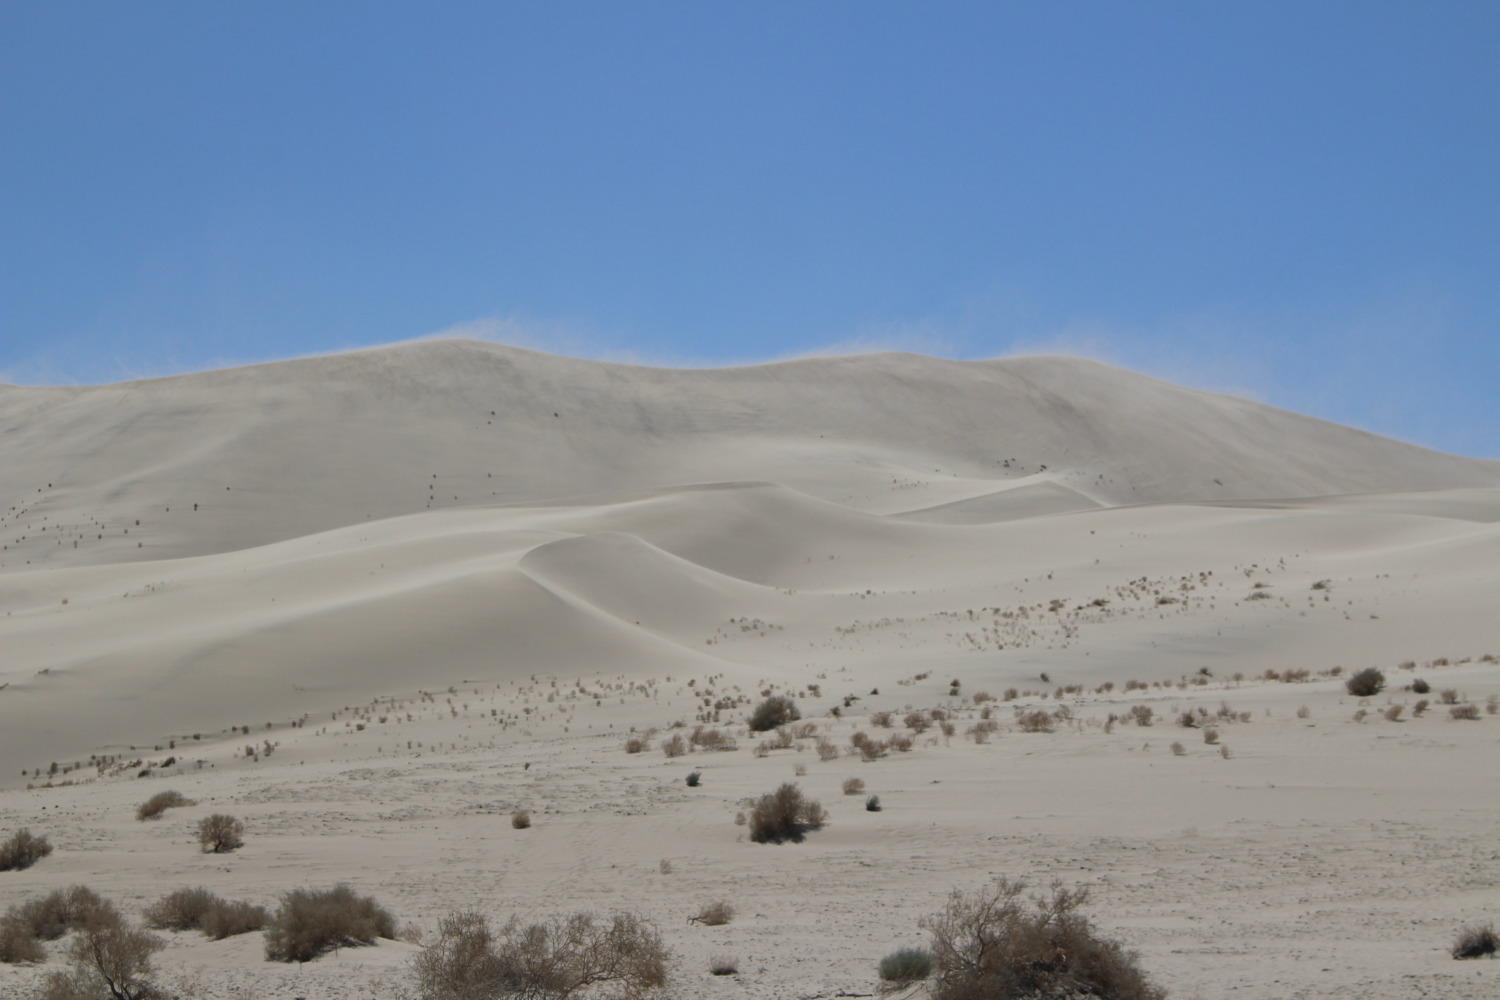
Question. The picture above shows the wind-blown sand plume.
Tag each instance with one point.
(376, 670)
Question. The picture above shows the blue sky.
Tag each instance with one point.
(1298, 202)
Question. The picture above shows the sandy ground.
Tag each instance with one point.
(375, 696)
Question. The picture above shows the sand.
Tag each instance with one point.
(373, 603)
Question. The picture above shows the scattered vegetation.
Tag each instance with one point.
(853, 786)
(1469, 712)
(160, 803)
(784, 815)
(543, 961)
(107, 958)
(312, 921)
(992, 945)
(220, 832)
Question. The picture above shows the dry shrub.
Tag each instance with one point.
(882, 719)
(1178, 750)
(312, 921)
(853, 786)
(675, 747)
(872, 804)
(637, 745)
(1492, 705)
(107, 958)
(716, 913)
(1304, 712)
(992, 946)
(17, 943)
(1469, 712)
(723, 965)
(1141, 715)
(1420, 706)
(772, 713)
(542, 961)
(1448, 696)
(783, 740)
(160, 803)
(1035, 721)
(220, 832)
(1473, 942)
(710, 739)
(199, 909)
(1393, 713)
(520, 819)
(23, 850)
(1366, 683)
(1420, 686)
(784, 815)
(901, 743)
(827, 750)
(49, 917)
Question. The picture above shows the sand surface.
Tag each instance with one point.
(373, 603)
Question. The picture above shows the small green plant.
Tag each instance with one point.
(906, 965)
(872, 804)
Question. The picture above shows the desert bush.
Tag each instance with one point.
(906, 965)
(1035, 721)
(827, 750)
(199, 909)
(917, 722)
(1178, 750)
(520, 819)
(716, 913)
(17, 943)
(637, 745)
(723, 965)
(220, 832)
(1473, 942)
(1419, 707)
(1420, 686)
(1366, 683)
(882, 719)
(710, 739)
(774, 712)
(1304, 712)
(991, 945)
(49, 917)
(160, 803)
(312, 921)
(1141, 715)
(901, 743)
(23, 850)
(1211, 736)
(694, 778)
(1448, 696)
(872, 804)
(1393, 712)
(853, 786)
(542, 961)
(675, 747)
(107, 958)
(1469, 712)
(784, 815)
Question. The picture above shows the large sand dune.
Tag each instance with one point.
(431, 583)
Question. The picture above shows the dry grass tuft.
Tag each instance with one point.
(716, 914)
(1474, 942)
(310, 922)
(160, 803)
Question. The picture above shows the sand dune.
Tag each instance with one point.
(374, 602)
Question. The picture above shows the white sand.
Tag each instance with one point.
(855, 522)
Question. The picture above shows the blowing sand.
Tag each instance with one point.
(375, 603)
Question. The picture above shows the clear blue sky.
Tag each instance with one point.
(1299, 202)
